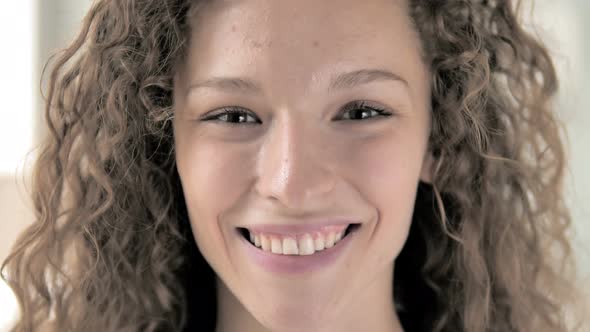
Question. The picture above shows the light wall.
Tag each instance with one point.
(564, 27)
(50, 25)
(54, 24)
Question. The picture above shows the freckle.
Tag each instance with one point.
(315, 43)
(233, 28)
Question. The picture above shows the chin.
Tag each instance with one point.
(289, 316)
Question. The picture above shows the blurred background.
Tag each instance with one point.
(31, 30)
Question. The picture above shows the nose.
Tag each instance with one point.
(294, 168)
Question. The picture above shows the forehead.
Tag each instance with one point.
(302, 41)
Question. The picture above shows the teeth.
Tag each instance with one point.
(305, 244)
(290, 246)
(330, 239)
(265, 242)
(319, 243)
(256, 240)
(275, 245)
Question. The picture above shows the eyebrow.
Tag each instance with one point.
(347, 80)
(363, 76)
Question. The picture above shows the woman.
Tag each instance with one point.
(298, 166)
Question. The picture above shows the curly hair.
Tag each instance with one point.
(111, 248)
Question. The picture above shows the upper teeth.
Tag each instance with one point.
(300, 244)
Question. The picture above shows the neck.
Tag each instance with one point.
(372, 310)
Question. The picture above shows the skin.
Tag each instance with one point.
(300, 159)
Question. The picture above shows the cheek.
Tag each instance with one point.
(210, 171)
(213, 177)
(389, 170)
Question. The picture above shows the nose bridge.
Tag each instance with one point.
(293, 167)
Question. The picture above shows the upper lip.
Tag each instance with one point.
(300, 228)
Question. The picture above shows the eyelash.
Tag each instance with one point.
(356, 105)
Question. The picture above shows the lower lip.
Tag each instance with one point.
(294, 264)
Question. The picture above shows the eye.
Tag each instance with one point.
(233, 116)
(357, 110)
(360, 110)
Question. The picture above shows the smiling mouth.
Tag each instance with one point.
(300, 244)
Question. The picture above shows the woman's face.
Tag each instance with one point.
(332, 127)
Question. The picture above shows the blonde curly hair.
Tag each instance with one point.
(111, 247)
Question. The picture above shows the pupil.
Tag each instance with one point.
(233, 117)
(361, 114)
